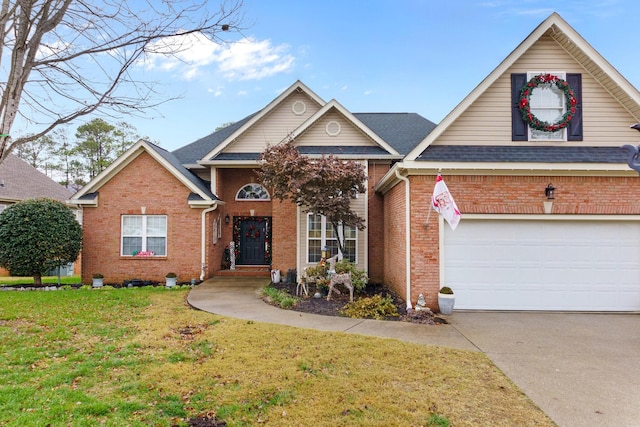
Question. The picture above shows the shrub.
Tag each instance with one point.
(375, 307)
(446, 290)
(280, 298)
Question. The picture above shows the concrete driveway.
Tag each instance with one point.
(580, 369)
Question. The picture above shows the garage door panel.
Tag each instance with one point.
(544, 265)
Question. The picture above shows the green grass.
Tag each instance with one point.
(141, 357)
(50, 280)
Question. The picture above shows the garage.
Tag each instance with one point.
(560, 264)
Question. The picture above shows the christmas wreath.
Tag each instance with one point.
(525, 107)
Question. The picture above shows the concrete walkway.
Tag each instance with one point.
(581, 369)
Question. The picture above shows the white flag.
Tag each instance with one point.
(443, 203)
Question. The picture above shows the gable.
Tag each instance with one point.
(610, 104)
(487, 121)
(276, 124)
(334, 129)
(201, 194)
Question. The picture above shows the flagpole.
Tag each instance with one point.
(426, 223)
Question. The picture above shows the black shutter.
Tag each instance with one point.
(519, 129)
(574, 130)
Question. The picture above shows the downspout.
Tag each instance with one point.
(203, 262)
(407, 219)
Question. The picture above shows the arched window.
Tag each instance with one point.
(253, 192)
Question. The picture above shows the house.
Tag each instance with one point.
(20, 181)
(517, 248)
(154, 211)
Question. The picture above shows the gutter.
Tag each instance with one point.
(407, 219)
(203, 258)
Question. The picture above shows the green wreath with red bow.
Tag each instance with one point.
(525, 106)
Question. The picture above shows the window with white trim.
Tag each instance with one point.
(320, 233)
(547, 104)
(253, 192)
(144, 235)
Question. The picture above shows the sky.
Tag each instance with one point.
(420, 56)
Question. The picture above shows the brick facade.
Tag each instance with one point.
(475, 194)
(160, 194)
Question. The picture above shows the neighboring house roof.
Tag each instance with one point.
(576, 46)
(200, 189)
(20, 181)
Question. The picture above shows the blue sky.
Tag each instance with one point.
(420, 56)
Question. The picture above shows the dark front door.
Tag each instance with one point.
(252, 235)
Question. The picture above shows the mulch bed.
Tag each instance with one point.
(309, 304)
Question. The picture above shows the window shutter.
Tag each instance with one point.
(574, 130)
(519, 129)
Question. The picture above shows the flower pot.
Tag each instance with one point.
(171, 281)
(446, 303)
(98, 282)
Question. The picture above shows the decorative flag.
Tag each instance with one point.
(443, 203)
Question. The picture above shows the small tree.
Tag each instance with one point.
(38, 235)
(323, 186)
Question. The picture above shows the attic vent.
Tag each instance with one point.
(333, 128)
(298, 108)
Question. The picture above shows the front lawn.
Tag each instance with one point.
(141, 357)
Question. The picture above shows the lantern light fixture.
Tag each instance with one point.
(550, 192)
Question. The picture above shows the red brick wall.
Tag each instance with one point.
(394, 239)
(501, 195)
(146, 183)
(284, 235)
(375, 224)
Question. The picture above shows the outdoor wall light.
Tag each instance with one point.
(550, 192)
(227, 219)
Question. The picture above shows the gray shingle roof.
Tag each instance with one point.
(402, 131)
(191, 153)
(528, 154)
(20, 181)
(193, 178)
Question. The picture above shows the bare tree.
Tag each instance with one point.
(71, 58)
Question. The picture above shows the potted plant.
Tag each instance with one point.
(98, 280)
(171, 279)
(446, 300)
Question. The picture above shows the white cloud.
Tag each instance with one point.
(248, 59)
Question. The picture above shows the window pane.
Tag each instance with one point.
(332, 247)
(315, 226)
(330, 233)
(131, 245)
(157, 245)
(156, 226)
(350, 250)
(315, 250)
(132, 225)
(349, 232)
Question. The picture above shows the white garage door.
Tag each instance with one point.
(544, 265)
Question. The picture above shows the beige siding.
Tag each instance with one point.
(488, 120)
(359, 205)
(275, 126)
(349, 134)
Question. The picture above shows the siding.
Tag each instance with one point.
(275, 126)
(488, 120)
(359, 205)
(349, 134)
